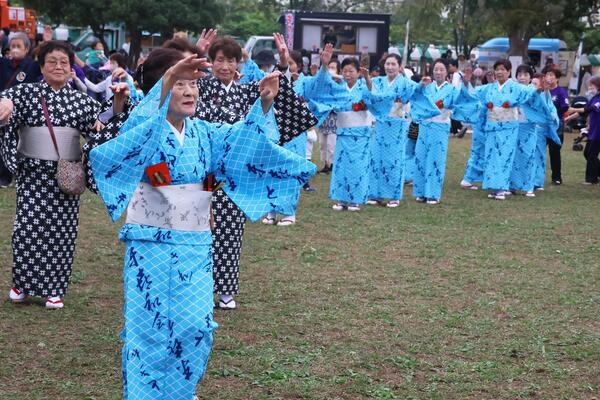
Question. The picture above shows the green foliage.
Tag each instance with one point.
(242, 23)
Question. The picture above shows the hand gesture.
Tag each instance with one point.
(364, 72)
(326, 55)
(207, 37)
(282, 49)
(120, 91)
(6, 109)
(98, 126)
(119, 74)
(426, 80)
(189, 68)
(269, 86)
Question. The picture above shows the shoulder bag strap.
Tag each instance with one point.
(49, 125)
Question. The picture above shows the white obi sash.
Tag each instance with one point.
(354, 119)
(177, 207)
(501, 114)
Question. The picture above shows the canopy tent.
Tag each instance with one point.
(590, 59)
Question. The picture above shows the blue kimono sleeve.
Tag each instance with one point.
(379, 104)
(118, 165)
(538, 108)
(465, 106)
(251, 72)
(323, 89)
(258, 175)
(421, 106)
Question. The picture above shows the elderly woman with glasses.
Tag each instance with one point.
(45, 228)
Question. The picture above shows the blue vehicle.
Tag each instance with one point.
(541, 51)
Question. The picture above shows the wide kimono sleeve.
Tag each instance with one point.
(465, 105)
(421, 106)
(322, 89)
(118, 165)
(538, 107)
(293, 115)
(251, 72)
(258, 175)
(9, 133)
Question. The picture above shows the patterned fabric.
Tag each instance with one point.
(168, 281)
(386, 172)
(501, 137)
(520, 176)
(42, 267)
(431, 149)
(229, 220)
(476, 162)
(349, 183)
(409, 160)
(298, 147)
(293, 116)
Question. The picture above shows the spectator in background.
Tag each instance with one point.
(585, 80)
(330, 37)
(456, 127)
(95, 57)
(560, 98)
(4, 33)
(16, 69)
(118, 63)
(463, 63)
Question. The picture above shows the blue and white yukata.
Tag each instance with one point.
(432, 143)
(543, 132)
(502, 127)
(476, 162)
(388, 143)
(349, 182)
(521, 176)
(168, 281)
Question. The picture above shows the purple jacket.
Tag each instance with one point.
(560, 98)
(593, 108)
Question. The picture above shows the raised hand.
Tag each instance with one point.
(207, 37)
(326, 55)
(6, 109)
(364, 72)
(189, 68)
(121, 92)
(119, 74)
(269, 86)
(282, 49)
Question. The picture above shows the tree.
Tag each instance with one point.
(165, 17)
(261, 21)
(154, 16)
(524, 19)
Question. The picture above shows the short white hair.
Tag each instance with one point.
(20, 36)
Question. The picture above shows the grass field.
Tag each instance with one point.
(471, 299)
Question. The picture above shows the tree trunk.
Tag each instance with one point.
(518, 44)
(135, 48)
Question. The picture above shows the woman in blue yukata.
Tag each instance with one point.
(502, 101)
(432, 143)
(351, 100)
(154, 169)
(386, 172)
(524, 164)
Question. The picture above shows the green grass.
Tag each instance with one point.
(472, 299)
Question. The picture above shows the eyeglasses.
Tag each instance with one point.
(53, 62)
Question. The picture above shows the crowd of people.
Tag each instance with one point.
(201, 137)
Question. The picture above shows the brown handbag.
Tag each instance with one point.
(70, 175)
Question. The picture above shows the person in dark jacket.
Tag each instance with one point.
(16, 69)
(560, 98)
